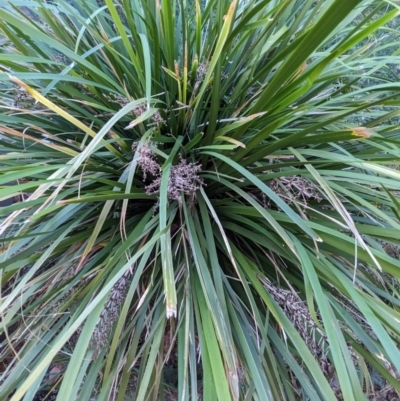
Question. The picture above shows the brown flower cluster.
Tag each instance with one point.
(156, 117)
(138, 111)
(183, 178)
(147, 159)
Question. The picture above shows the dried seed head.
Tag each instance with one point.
(391, 249)
(200, 74)
(60, 58)
(156, 117)
(109, 315)
(138, 111)
(295, 187)
(23, 100)
(202, 70)
(147, 160)
(118, 99)
(297, 312)
(183, 178)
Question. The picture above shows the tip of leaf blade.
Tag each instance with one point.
(362, 132)
(171, 312)
(18, 82)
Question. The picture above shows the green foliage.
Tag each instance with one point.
(199, 213)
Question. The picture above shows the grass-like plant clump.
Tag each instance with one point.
(206, 200)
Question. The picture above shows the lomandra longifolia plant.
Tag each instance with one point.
(205, 200)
